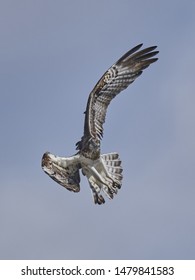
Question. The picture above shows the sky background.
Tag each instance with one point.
(51, 55)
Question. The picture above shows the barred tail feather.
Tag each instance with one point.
(105, 175)
(114, 170)
(113, 166)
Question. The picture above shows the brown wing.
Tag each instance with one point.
(117, 78)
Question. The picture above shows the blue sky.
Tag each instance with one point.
(51, 55)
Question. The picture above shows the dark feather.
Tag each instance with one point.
(117, 78)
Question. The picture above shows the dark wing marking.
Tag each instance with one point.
(117, 78)
(69, 178)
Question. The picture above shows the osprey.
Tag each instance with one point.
(103, 171)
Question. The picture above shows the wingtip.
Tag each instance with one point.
(153, 48)
(135, 52)
(130, 52)
(139, 45)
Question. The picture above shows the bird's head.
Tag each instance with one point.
(48, 162)
(52, 166)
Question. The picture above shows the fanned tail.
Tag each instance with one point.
(114, 170)
(105, 175)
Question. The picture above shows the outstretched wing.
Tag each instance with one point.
(68, 177)
(117, 78)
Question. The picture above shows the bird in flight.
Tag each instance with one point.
(103, 171)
